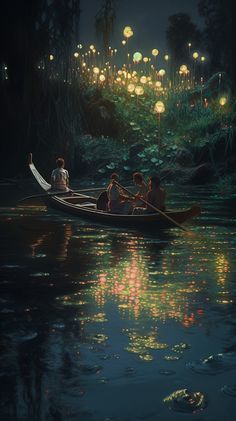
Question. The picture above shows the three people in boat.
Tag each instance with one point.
(60, 177)
(153, 195)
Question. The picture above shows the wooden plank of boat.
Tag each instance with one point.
(85, 207)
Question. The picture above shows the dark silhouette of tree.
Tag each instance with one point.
(219, 34)
(180, 32)
(104, 24)
(30, 104)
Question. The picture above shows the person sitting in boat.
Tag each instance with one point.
(155, 197)
(60, 177)
(141, 189)
(117, 202)
(156, 194)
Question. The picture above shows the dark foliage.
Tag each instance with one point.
(219, 34)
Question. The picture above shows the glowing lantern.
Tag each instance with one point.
(137, 57)
(189, 44)
(143, 79)
(51, 57)
(131, 88)
(166, 57)
(183, 68)
(139, 90)
(91, 47)
(118, 79)
(145, 59)
(96, 70)
(155, 52)
(222, 101)
(102, 78)
(123, 42)
(162, 72)
(203, 59)
(159, 107)
(120, 72)
(79, 46)
(158, 84)
(76, 55)
(127, 32)
(195, 55)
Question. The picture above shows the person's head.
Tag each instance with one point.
(114, 176)
(60, 162)
(138, 177)
(154, 182)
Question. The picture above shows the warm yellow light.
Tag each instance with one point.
(51, 57)
(131, 88)
(159, 107)
(91, 47)
(76, 55)
(127, 32)
(143, 79)
(189, 44)
(195, 55)
(96, 70)
(183, 68)
(145, 59)
(203, 58)
(120, 72)
(118, 79)
(139, 90)
(166, 57)
(155, 52)
(137, 57)
(102, 78)
(94, 50)
(79, 46)
(158, 84)
(162, 72)
(123, 42)
(222, 101)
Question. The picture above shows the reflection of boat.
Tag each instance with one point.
(85, 207)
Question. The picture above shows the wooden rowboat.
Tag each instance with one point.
(85, 207)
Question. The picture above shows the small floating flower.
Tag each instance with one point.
(184, 400)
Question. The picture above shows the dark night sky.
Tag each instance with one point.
(148, 19)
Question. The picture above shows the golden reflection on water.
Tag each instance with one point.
(140, 292)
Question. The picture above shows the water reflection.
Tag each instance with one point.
(87, 311)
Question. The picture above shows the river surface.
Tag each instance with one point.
(104, 324)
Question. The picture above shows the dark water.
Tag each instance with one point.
(103, 324)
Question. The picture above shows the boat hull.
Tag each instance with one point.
(84, 207)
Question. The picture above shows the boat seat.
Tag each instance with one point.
(88, 205)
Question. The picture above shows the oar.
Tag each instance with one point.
(42, 195)
(153, 207)
(51, 193)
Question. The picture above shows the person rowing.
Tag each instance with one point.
(117, 201)
(141, 188)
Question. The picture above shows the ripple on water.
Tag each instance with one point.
(214, 363)
(229, 390)
(22, 336)
(184, 400)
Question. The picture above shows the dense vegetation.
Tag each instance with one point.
(49, 109)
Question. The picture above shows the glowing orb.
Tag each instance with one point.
(139, 90)
(155, 52)
(137, 57)
(195, 55)
(223, 100)
(96, 70)
(131, 87)
(159, 107)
